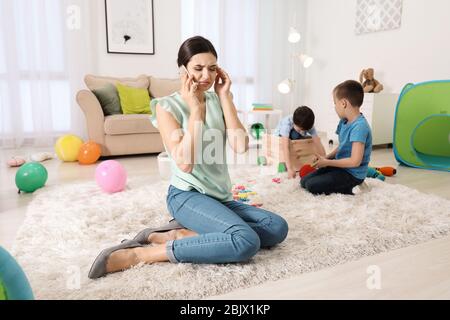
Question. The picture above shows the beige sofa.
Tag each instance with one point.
(123, 134)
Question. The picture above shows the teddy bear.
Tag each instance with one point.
(369, 83)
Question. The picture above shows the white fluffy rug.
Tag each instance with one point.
(67, 226)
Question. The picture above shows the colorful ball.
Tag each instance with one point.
(89, 153)
(387, 171)
(67, 147)
(31, 176)
(111, 176)
(305, 170)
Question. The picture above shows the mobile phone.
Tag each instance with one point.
(187, 72)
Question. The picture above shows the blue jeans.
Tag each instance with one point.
(227, 231)
(330, 180)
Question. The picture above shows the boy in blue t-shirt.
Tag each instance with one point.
(298, 126)
(345, 167)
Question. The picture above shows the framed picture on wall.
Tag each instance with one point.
(130, 26)
(378, 15)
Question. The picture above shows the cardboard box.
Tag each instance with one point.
(301, 151)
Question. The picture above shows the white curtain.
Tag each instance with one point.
(250, 37)
(220, 22)
(44, 53)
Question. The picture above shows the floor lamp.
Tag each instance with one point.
(287, 85)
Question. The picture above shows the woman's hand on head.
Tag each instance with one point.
(188, 91)
(223, 83)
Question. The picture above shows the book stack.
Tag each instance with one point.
(262, 107)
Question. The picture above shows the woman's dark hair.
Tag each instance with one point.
(304, 118)
(193, 46)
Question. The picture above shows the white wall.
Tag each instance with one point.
(418, 51)
(275, 52)
(167, 41)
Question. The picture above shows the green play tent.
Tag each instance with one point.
(422, 126)
(14, 284)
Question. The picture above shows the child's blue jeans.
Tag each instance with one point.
(330, 180)
(228, 231)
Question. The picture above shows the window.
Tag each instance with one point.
(234, 35)
(34, 81)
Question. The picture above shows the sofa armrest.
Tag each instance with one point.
(93, 113)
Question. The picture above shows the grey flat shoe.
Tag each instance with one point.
(98, 268)
(142, 237)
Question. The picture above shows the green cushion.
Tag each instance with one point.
(134, 100)
(109, 99)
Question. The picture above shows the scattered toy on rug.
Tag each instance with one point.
(244, 195)
(306, 169)
(375, 174)
(276, 180)
(387, 171)
(282, 167)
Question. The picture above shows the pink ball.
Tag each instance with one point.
(111, 176)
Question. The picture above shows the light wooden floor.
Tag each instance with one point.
(416, 272)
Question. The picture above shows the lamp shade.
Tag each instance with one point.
(285, 86)
(294, 35)
(306, 60)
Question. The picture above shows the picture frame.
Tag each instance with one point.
(130, 27)
(378, 15)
